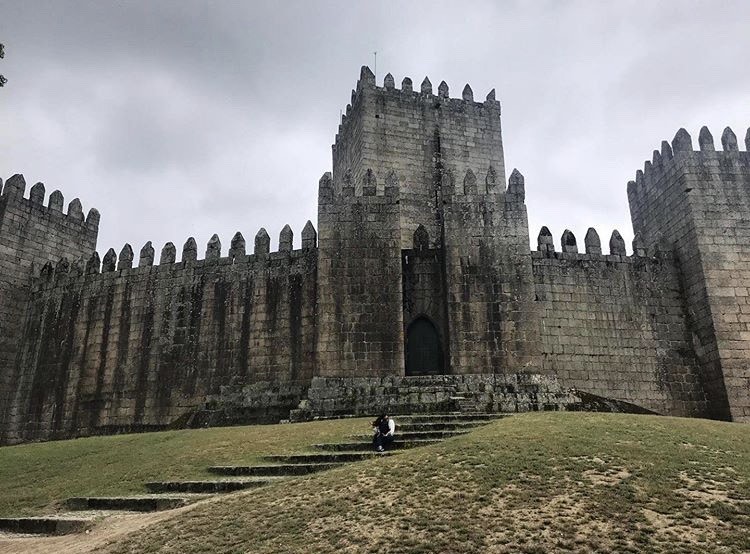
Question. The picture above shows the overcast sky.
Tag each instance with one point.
(184, 118)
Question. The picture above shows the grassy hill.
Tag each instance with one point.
(540, 482)
(33, 477)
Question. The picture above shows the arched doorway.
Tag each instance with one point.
(424, 354)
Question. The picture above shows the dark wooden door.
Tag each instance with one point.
(424, 355)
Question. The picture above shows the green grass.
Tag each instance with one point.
(534, 483)
(35, 477)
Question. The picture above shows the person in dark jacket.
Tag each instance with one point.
(385, 432)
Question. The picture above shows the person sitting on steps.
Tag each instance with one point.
(385, 430)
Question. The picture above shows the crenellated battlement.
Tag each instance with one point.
(112, 265)
(672, 157)
(423, 98)
(593, 247)
(371, 184)
(14, 190)
(437, 146)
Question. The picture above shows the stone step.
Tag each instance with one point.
(448, 418)
(398, 444)
(128, 503)
(329, 457)
(416, 435)
(402, 426)
(273, 470)
(46, 525)
(208, 486)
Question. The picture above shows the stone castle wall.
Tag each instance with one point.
(137, 347)
(617, 326)
(416, 224)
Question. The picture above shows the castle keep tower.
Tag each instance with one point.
(419, 237)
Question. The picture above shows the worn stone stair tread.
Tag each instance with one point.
(417, 435)
(211, 485)
(458, 416)
(359, 445)
(140, 503)
(329, 457)
(271, 470)
(55, 524)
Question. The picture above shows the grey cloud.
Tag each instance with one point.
(180, 118)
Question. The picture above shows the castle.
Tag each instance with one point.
(418, 289)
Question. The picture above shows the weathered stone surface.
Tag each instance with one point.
(706, 140)
(545, 242)
(190, 250)
(309, 236)
(36, 194)
(55, 200)
(682, 142)
(147, 255)
(426, 86)
(388, 82)
(443, 90)
(15, 186)
(616, 244)
(237, 246)
(110, 261)
(592, 242)
(213, 248)
(286, 239)
(168, 254)
(125, 259)
(729, 140)
(262, 243)
(75, 210)
(569, 243)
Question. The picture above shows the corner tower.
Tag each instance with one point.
(695, 203)
(32, 234)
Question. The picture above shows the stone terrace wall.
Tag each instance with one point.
(522, 392)
(32, 234)
(136, 348)
(616, 326)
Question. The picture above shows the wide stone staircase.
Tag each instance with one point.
(81, 513)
